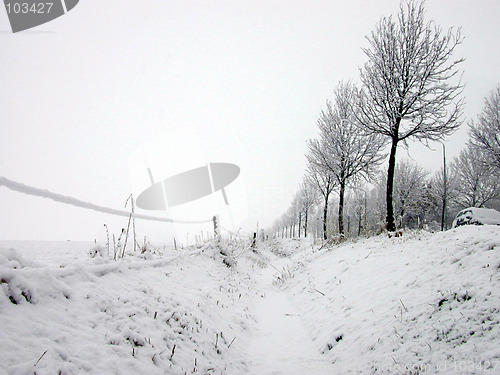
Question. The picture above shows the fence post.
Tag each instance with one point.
(216, 227)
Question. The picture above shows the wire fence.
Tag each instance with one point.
(30, 190)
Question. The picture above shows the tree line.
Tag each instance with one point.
(411, 90)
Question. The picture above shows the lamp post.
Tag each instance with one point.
(445, 185)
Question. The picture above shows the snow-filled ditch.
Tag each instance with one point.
(418, 304)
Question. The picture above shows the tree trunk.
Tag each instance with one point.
(300, 222)
(305, 223)
(341, 208)
(391, 227)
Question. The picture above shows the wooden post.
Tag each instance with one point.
(175, 244)
(216, 228)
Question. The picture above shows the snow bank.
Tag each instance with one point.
(423, 303)
(175, 314)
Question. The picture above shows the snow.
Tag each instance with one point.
(174, 314)
(282, 344)
(421, 303)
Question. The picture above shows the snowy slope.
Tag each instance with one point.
(423, 303)
(173, 314)
(418, 304)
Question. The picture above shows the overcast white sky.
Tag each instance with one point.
(79, 94)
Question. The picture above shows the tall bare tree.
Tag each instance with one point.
(411, 86)
(444, 190)
(342, 148)
(409, 187)
(323, 180)
(485, 133)
(308, 197)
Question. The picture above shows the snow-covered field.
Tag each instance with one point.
(421, 303)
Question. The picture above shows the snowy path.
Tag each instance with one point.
(282, 345)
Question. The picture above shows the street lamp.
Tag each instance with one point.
(445, 184)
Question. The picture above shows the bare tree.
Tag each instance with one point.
(323, 181)
(293, 215)
(485, 133)
(476, 183)
(342, 148)
(409, 187)
(308, 197)
(359, 207)
(377, 199)
(444, 191)
(410, 86)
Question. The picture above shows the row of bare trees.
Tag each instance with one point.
(410, 90)
(420, 199)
